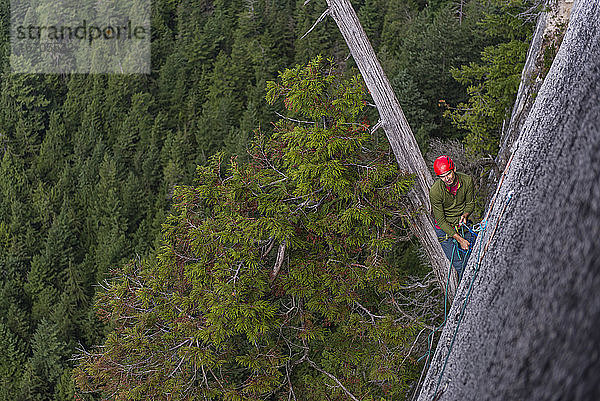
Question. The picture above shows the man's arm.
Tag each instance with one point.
(438, 214)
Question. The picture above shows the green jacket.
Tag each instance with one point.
(448, 208)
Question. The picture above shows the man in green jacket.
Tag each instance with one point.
(452, 201)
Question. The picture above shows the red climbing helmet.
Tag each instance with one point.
(442, 165)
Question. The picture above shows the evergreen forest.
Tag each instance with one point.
(228, 226)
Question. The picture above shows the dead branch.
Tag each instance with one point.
(325, 14)
(332, 377)
(271, 243)
(376, 126)
(279, 261)
(371, 315)
(293, 119)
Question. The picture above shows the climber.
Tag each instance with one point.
(452, 201)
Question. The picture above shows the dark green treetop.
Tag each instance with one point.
(272, 279)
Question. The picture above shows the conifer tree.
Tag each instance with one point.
(492, 82)
(22, 115)
(111, 225)
(13, 300)
(221, 110)
(44, 367)
(371, 18)
(272, 279)
(324, 39)
(60, 250)
(12, 360)
(54, 149)
(435, 42)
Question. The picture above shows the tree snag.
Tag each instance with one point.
(399, 134)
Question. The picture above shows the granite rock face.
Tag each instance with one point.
(558, 12)
(531, 326)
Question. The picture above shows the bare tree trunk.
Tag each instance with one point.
(399, 134)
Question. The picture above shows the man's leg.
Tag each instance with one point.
(450, 251)
(464, 257)
(460, 260)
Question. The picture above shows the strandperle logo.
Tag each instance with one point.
(81, 32)
(111, 36)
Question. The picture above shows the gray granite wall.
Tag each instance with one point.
(531, 327)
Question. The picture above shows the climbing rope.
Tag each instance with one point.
(456, 249)
(468, 296)
(476, 229)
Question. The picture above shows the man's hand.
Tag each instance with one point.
(464, 244)
(463, 219)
